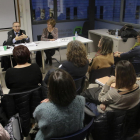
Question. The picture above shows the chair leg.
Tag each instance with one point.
(56, 60)
(60, 54)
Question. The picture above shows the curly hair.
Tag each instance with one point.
(76, 53)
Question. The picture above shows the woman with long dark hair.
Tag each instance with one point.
(63, 112)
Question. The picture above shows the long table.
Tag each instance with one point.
(43, 45)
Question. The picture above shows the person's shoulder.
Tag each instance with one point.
(45, 29)
(34, 65)
(137, 48)
(79, 98)
(10, 70)
(99, 57)
(22, 30)
(56, 29)
(11, 31)
(49, 107)
(67, 64)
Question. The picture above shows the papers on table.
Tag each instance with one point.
(103, 80)
(27, 44)
(63, 40)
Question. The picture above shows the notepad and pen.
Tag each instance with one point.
(103, 80)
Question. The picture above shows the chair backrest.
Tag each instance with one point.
(95, 74)
(4, 43)
(23, 103)
(79, 84)
(79, 135)
(117, 125)
(136, 66)
(39, 37)
(86, 27)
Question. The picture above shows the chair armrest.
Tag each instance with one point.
(88, 111)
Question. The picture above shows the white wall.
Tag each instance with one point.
(25, 17)
(25, 20)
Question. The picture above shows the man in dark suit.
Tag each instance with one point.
(15, 36)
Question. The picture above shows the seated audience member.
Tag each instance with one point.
(76, 64)
(49, 34)
(63, 112)
(132, 55)
(15, 36)
(105, 58)
(24, 76)
(4, 135)
(125, 95)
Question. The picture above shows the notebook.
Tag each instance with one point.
(103, 80)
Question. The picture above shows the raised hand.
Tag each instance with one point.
(18, 38)
(23, 36)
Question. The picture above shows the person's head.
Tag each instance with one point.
(62, 88)
(16, 26)
(138, 37)
(21, 54)
(125, 75)
(51, 15)
(76, 53)
(106, 45)
(51, 23)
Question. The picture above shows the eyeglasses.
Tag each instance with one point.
(17, 26)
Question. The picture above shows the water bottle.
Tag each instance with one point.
(116, 33)
(76, 35)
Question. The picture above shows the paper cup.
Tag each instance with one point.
(5, 48)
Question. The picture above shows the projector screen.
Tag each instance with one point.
(7, 13)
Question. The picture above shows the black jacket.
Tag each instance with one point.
(117, 125)
(133, 55)
(75, 71)
(23, 103)
(11, 36)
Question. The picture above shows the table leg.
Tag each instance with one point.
(11, 61)
(43, 67)
(88, 49)
(1, 79)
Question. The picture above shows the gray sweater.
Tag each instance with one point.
(113, 100)
(56, 121)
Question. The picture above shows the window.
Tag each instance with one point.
(108, 9)
(42, 9)
(131, 11)
(72, 9)
(66, 9)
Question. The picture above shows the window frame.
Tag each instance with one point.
(55, 16)
(137, 26)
